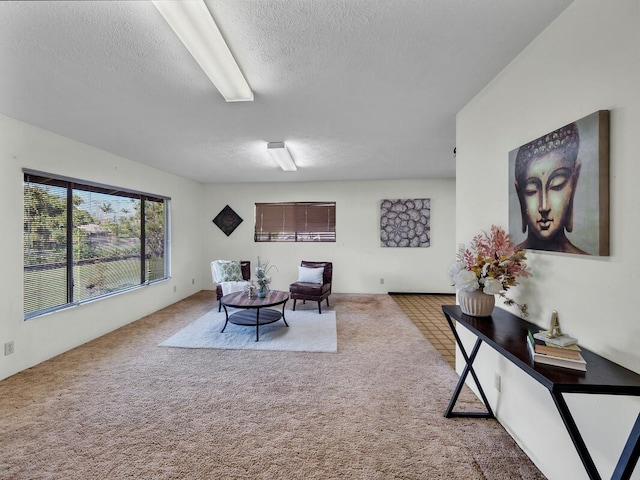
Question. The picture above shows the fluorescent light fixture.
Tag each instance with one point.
(193, 24)
(279, 152)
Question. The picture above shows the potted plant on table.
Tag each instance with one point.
(262, 277)
(490, 266)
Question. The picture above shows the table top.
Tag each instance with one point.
(506, 333)
(241, 300)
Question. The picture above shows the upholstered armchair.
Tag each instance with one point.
(314, 283)
(220, 277)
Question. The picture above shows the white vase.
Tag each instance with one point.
(476, 303)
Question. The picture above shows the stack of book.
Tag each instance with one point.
(561, 352)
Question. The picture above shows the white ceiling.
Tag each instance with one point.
(358, 89)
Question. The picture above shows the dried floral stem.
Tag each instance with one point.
(524, 309)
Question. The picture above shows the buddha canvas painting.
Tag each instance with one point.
(559, 189)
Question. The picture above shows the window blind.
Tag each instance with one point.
(295, 222)
(83, 241)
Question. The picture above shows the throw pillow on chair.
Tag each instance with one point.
(310, 275)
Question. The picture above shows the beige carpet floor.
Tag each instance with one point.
(122, 407)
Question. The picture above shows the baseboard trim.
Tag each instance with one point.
(421, 293)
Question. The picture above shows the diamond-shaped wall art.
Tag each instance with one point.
(227, 220)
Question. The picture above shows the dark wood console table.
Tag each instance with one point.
(506, 333)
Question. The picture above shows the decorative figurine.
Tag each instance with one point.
(250, 289)
(554, 326)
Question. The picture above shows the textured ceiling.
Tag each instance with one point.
(358, 89)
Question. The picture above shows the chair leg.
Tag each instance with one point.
(294, 304)
(327, 301)
(219, 306)
(320, 307)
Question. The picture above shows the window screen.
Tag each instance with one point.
(295, 222)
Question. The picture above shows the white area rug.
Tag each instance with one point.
(307, 332)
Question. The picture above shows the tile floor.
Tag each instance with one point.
(426, 312)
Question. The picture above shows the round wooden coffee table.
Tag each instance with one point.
(254, 310)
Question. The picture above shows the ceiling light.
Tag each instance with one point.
(281, 155)
(193, 24)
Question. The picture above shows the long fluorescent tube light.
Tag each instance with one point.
(193, 24)
(279, 152)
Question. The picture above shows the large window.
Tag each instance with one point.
(295, 222)
(85, 241)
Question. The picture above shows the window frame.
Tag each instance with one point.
(72, 185)
(290, 222)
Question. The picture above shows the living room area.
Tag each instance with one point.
(87, 389)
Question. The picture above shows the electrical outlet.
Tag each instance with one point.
(497, 381)
(193, 281)
(175, 288)
(382, 281)
(9, 348)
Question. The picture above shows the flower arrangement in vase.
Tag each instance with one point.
(262, 277)
(491, 265)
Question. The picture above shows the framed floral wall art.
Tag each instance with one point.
(559, 189)
(405, 223)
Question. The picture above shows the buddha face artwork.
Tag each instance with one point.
(558, 197)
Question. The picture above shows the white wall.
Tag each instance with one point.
(359, 260)
(587, 60)
(25, 146)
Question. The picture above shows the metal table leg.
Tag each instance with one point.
(630, 454)
(257, 323)
(284, 319)
(467, 369)
(576, 438)
(226, 318)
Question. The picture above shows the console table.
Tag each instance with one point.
(506, 333)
